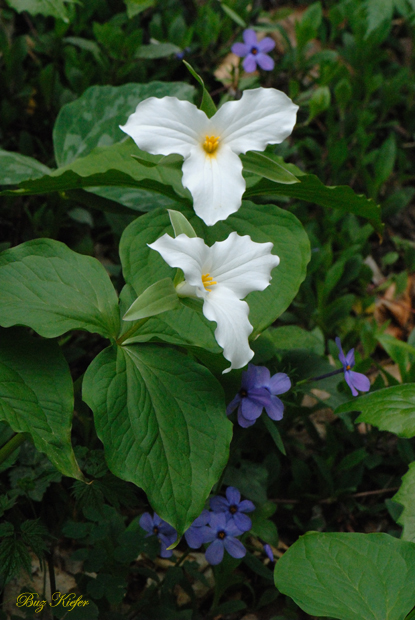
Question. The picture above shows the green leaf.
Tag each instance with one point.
(390, 409)
(157, 298)
(311, 189)
(180, 224)
(54, 8)
(157, 50)
(50, 288)
(143, 266)
(93, 119)
(349, 576)
(234, 16)
(36, 396)
(134, 7)
(406, 497)
(274, 432)
(161, 418)
(401, 352)
(260, 164)
(207, 106)
(288, 337)
(319, 102)
(378, 11)
(15, 168)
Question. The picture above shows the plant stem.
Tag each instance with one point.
(12, 445)
(132, 330)
(320, 377)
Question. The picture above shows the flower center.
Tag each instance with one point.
(243, 393)
(233, 509)
(348, 367)
(208, 281)
(221, 535)
(155, 530)
(254, 51)
(211, 144)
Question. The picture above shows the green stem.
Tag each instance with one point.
(320, 377)
(132, 330)
(12, 445)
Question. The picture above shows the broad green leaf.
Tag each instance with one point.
(349, 576)
(260, 164)
(402, 353)
(48, 287)
(112, 166)
(390, 409)
(134, 7)
(54, 8)
(143, 266)
(406, 497)
(157, 298)
(93, 119)
(15, 168)
(311, 189)
(290, 337)
(36, 395)
(378, 11)
(162, 420)
(157, 50)
(207, 105)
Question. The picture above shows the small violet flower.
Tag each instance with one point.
(221, 534)
(355, 380)
(259, 390)
(195, 534)
(254, 52)
(234, 508)
(166, 534)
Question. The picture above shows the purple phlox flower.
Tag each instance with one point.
(155, 526)
(182, 54)
(268, 551)
(234, 508)
(355, 380)
(259, 390)
(254, 51)
(195, 534)
(221, 534)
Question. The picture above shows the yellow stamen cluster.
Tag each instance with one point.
(208, 281)
(348, 367)
(211, 144)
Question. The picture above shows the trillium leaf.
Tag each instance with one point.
(180, 224)
(36, 396)
(260, 164)
(390, 409)
(157, 298)
(50, 288)
(53, 8)
(311, 189)
(406, 497)
(161, 418)
(15, 168)
(93, 119)
(349, 576)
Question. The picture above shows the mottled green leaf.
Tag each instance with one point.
(15, 168)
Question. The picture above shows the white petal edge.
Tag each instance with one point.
(242, 265)
(233, 328)
(167, 125)
(262, 116)
(215, 182)
(188, 254)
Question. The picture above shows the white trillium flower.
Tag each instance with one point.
(222, 275)
(212, 170)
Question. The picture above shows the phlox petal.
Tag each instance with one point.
(234, 547)
(253, 404)
(266, 45)
(164, 552)
(215, 182)
(188, 254)
(360, 381)
(218, 504)
(240, 49)
(265, 62)
(349, 380)
(244, 422)
(341, 354)
(146, 522)
(250, 38)
(233, 404)
(233, 327)
(242, 522)
(242, 265)
(194, 537)
(249, 63)
(350, 358)
(262, 116)
(165, 126)
(214, 553)
(279, 383)
(246, 505)
(275, 408)
(233, 495)
(255, 376)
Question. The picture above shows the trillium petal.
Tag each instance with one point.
(249, 63)
(233, 495)
(233, 327)
(215, 182)
(234, 547)
(214, 553)
(262, 116)
(242, 265)
(188, 254)
(165, 126)
(279, 383)
(360, 381)
(240, 49)
(265, 62)
(275, 408)
(250, 38)
(266, 45)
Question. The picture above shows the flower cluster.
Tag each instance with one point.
(258, 391)
(218, 527)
